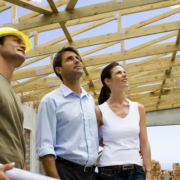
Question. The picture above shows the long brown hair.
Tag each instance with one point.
(105, 91)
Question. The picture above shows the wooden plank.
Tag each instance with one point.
(108, 58)
(70, 5)
(44, 83)
(4, 8)
(77, 13)
(2, 3)
(143, 98)
(155, 29)
(13, 12)
(32, 72)
(28, 81)
(35, 14)
(162, 107)
(36, 85)
(170, 35)
(154, 19)
(154, 78)
(165, 59)
(30, 6)
(78, 31)
(66, 32)
(74, 33)
(149, 97)
(172, 60)
(104, 15)
(53, 6)
(156, 87)
(162, 103)
(32, 61)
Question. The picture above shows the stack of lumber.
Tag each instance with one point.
(171, 175)
(176, 171)
(162, 172)
(155, 167)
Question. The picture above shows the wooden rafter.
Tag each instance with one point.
(79, 13)
(70, 5)
(53, 6)
(155, 29)
(101, 16)
(30, 6)
(145, 76)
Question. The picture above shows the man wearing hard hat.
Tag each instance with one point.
(13, 46)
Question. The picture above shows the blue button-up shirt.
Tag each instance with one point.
(67, 127)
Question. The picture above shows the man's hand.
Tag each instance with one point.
(5, 168)
(140, 154)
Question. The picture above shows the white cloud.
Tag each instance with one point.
(38, 1)
(174, 7)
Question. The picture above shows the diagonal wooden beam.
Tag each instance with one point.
(79, 13)
(4, 8)
(70, 5)
(66, 32)
(30, 6)
(35, 14)
(154, 19)
(2, 3)
(53, 6)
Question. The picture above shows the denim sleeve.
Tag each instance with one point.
(46, 130)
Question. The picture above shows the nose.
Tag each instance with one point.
(23, 46)
(77, 60)
(124, 74)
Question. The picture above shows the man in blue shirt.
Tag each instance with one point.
(66, 135)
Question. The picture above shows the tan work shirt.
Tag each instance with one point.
(12, 145)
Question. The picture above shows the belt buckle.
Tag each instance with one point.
(126, 167)
(87, 167)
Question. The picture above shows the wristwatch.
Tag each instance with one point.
(148, 170)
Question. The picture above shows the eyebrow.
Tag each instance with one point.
(19, 39)
(120, 71)
(72, 56)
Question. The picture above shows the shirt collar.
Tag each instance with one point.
(67, 91)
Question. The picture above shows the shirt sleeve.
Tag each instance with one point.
(46, 130)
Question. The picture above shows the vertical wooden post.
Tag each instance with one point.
(51, 60)
(119, 26)
(36, 40)
(13, 12)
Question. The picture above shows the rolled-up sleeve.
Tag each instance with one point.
(46, 129)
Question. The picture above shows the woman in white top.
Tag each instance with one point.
(123, 127)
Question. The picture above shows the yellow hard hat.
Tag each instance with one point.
(11, 31)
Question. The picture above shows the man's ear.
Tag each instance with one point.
(58, 70)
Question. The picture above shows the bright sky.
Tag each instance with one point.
(164, 140)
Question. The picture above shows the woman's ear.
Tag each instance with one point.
(107, 81)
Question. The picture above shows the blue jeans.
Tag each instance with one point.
(132, 174)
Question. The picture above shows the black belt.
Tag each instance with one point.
(76, 166)
(120, 167)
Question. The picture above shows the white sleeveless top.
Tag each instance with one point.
(120, 136)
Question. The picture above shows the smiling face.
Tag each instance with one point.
(118, 80)
(71, 66)
(13, 50)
